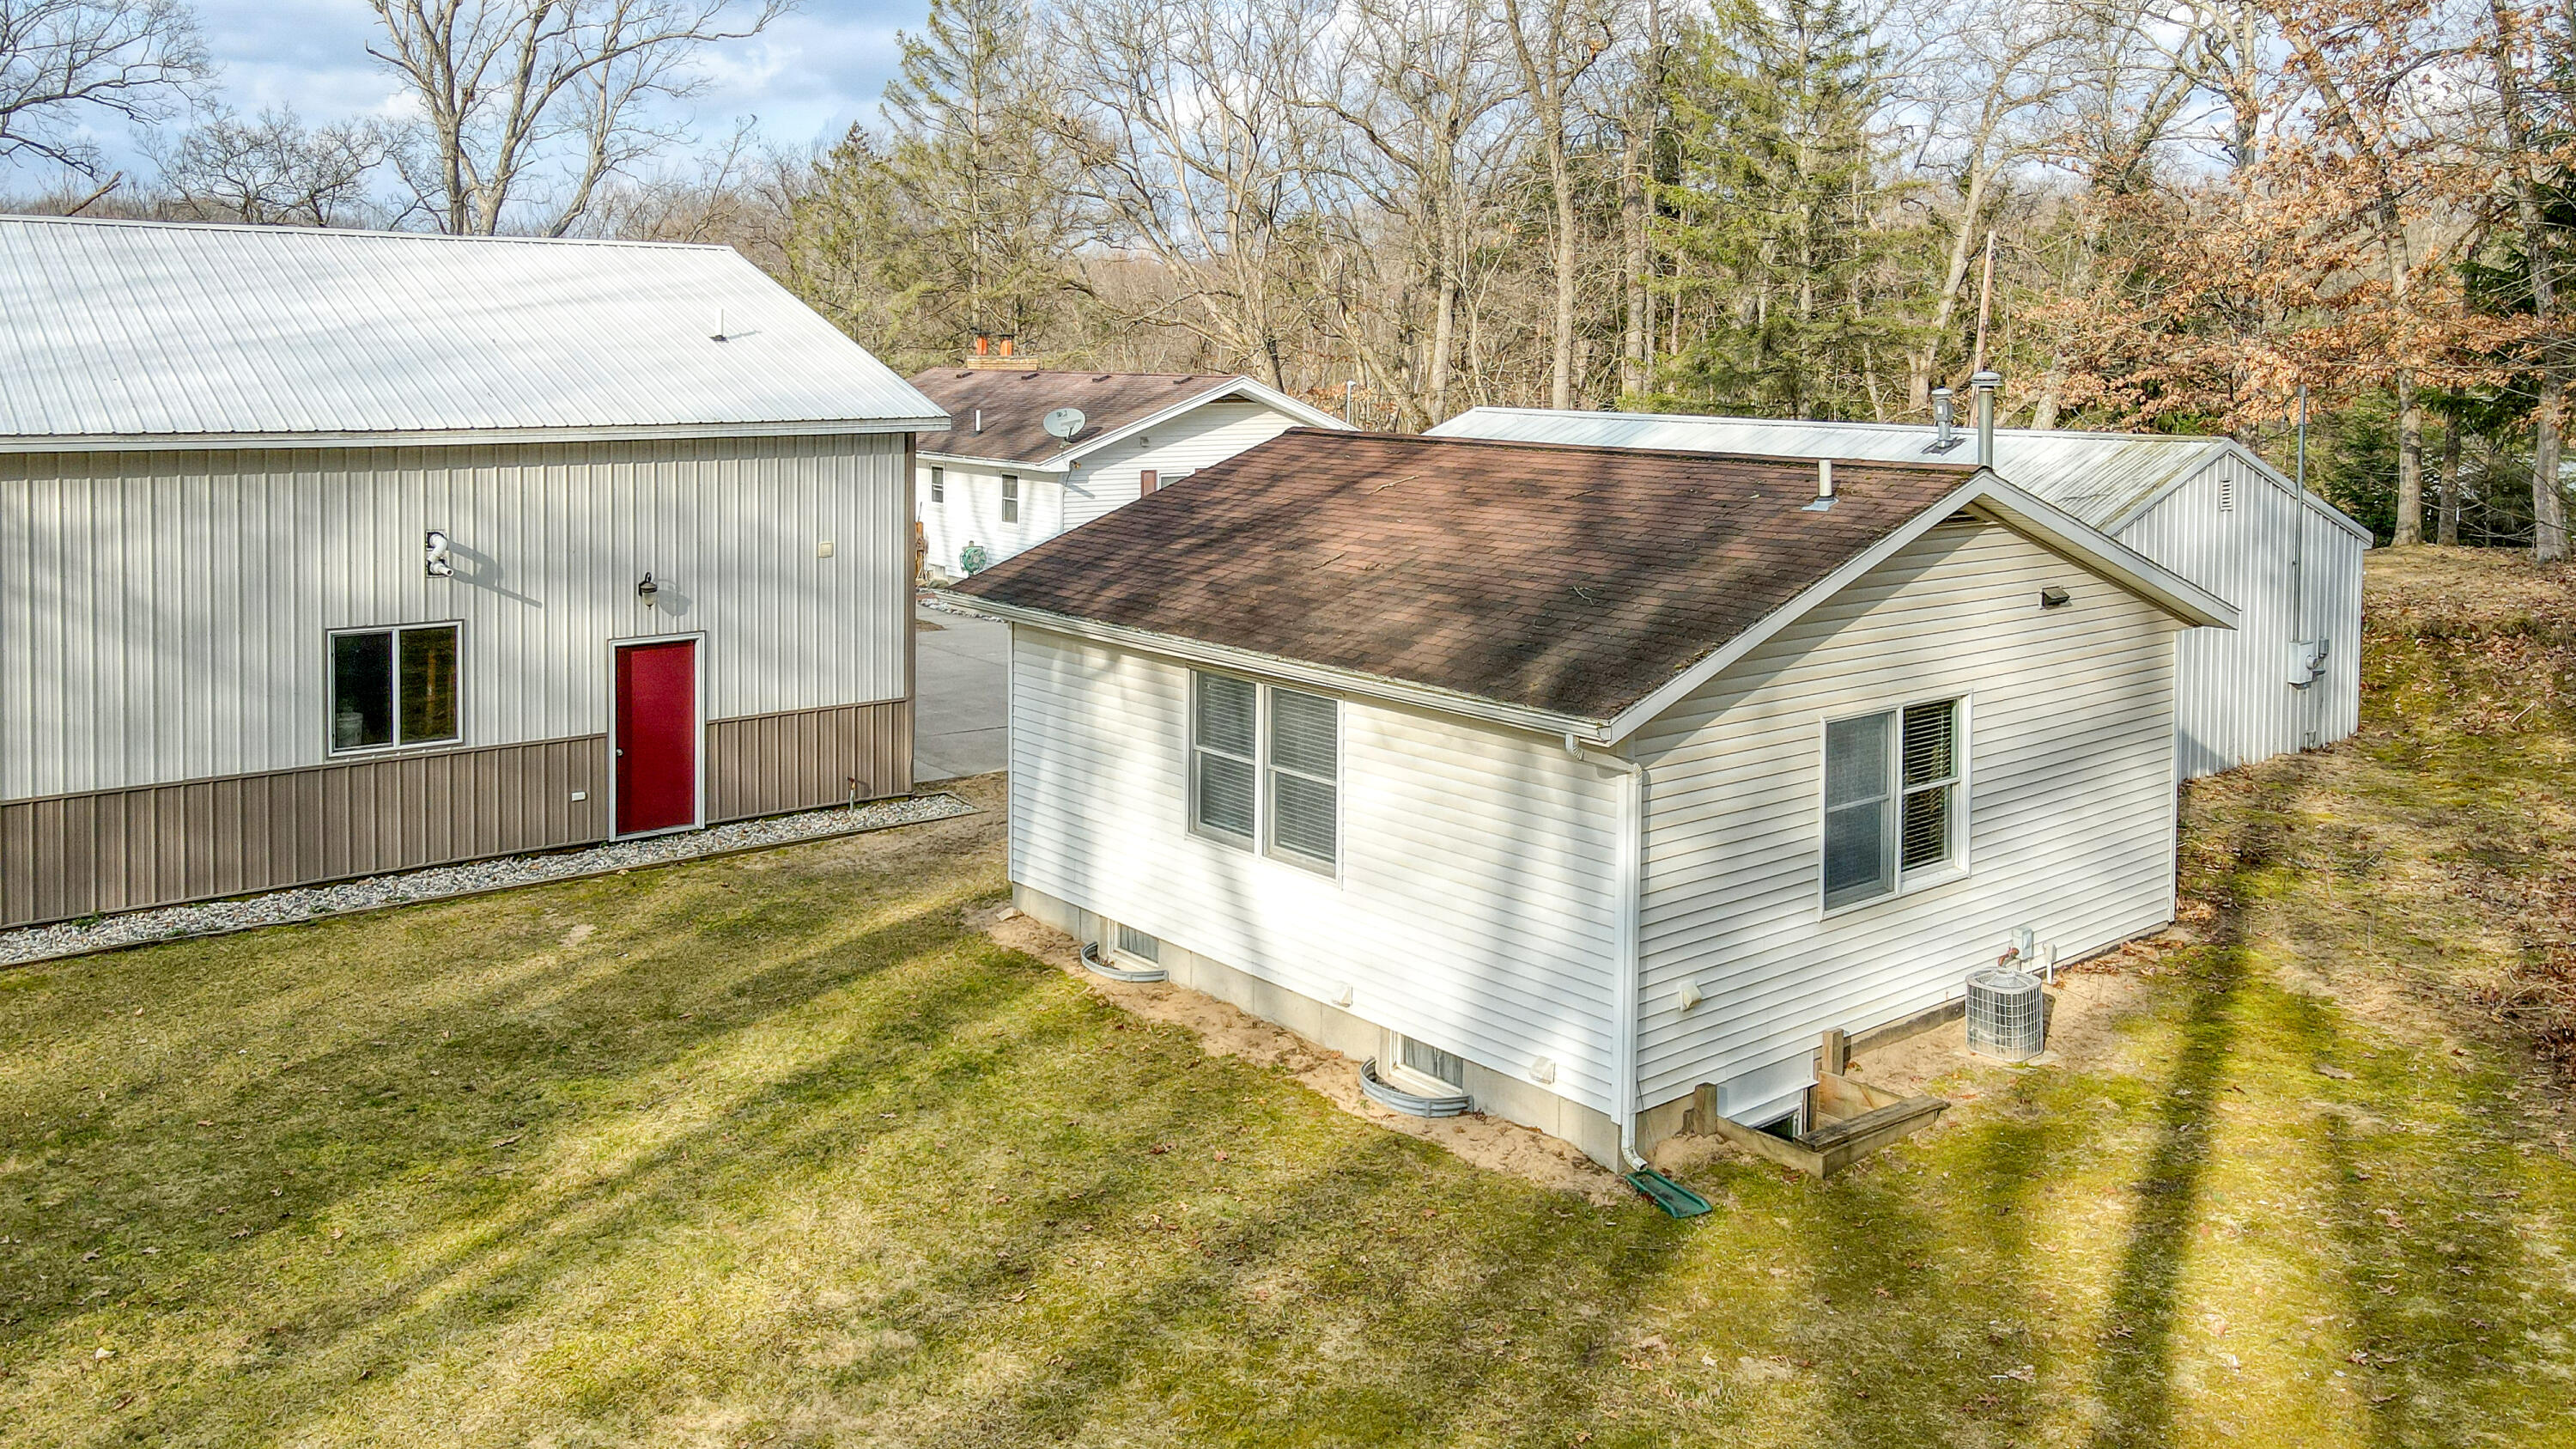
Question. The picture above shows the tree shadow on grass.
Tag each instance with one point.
(903, 1123)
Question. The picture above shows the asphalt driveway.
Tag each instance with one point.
(961, 695)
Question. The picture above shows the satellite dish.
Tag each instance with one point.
(1063, 423)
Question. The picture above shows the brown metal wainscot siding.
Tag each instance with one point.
(66, 856)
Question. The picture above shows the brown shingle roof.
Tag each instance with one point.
(1567, 579)
(1015, 403)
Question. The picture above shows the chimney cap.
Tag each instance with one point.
(1986, 381)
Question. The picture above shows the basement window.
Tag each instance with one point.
(393, 687)
(1010, 498)
(1137, 944)
(1892, 801)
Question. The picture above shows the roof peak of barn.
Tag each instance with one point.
(150, 334)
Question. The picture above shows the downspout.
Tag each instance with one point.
(1631, 881)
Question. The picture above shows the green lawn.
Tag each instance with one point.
(773, 1150)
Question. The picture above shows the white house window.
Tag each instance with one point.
(1291, 801)
(1891, 798)
(1224, 718)
(938, 485)
(1010, 498)
(1931, 745)
(1305, 811)
(392, 687)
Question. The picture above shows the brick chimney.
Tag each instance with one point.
(995, 349)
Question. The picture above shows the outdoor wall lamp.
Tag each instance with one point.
(647, 589)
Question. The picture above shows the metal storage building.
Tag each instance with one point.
(326, 553)
(1541, 769)
(2287, 678)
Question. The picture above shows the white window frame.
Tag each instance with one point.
(331, 691)
(1902, 882)
(1269, 812)
(1191, 746)
(938, 484)
(1262, 842)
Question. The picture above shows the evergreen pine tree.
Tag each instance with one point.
(1777, 213)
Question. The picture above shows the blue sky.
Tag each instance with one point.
(806, 78)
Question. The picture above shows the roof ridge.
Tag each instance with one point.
(145, 223)
(1964, 428)
(1692, 455)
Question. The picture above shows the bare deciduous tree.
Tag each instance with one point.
(518, 95)
(132, 60)
(272, 170)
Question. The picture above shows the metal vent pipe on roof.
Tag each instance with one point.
(1944, 420)
(1985, 383)
(1825, 479)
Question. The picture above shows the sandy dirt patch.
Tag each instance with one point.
(1224, 1030)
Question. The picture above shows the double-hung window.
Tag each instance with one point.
(393, 687)
(1891, 799)
(1010, 498)
(938, 485)
(1265, 768)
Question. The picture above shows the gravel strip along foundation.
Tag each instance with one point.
(305, 903)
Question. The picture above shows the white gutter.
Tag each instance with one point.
(1272, 666)
(1631, 890)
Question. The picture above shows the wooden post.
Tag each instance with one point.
(1833, 1053)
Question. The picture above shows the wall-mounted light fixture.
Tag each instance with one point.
(433, 552)
(647, 589)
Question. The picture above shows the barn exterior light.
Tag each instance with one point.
(647, 589)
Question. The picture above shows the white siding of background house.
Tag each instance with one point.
(1053, 499)
(1475, 907)
(164, 614)
(2070, 809)
(2203, 507)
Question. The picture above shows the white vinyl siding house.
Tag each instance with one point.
(2065, 746)
(1580, 919)
(1059, 487)
(1473, 907)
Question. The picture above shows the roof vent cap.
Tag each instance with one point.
(1824, 486)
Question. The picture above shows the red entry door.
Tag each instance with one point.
(657, 736)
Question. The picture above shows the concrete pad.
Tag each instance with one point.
(961, 696)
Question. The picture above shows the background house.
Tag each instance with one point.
(1578, 777)
(997, 479)
(324, 553)
(2287, 678)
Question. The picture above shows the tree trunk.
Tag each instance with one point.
(1444, 329)
(2548, 498)
(1632, 217)
(2410, 461)
(1561, 372)
(2446, 531)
